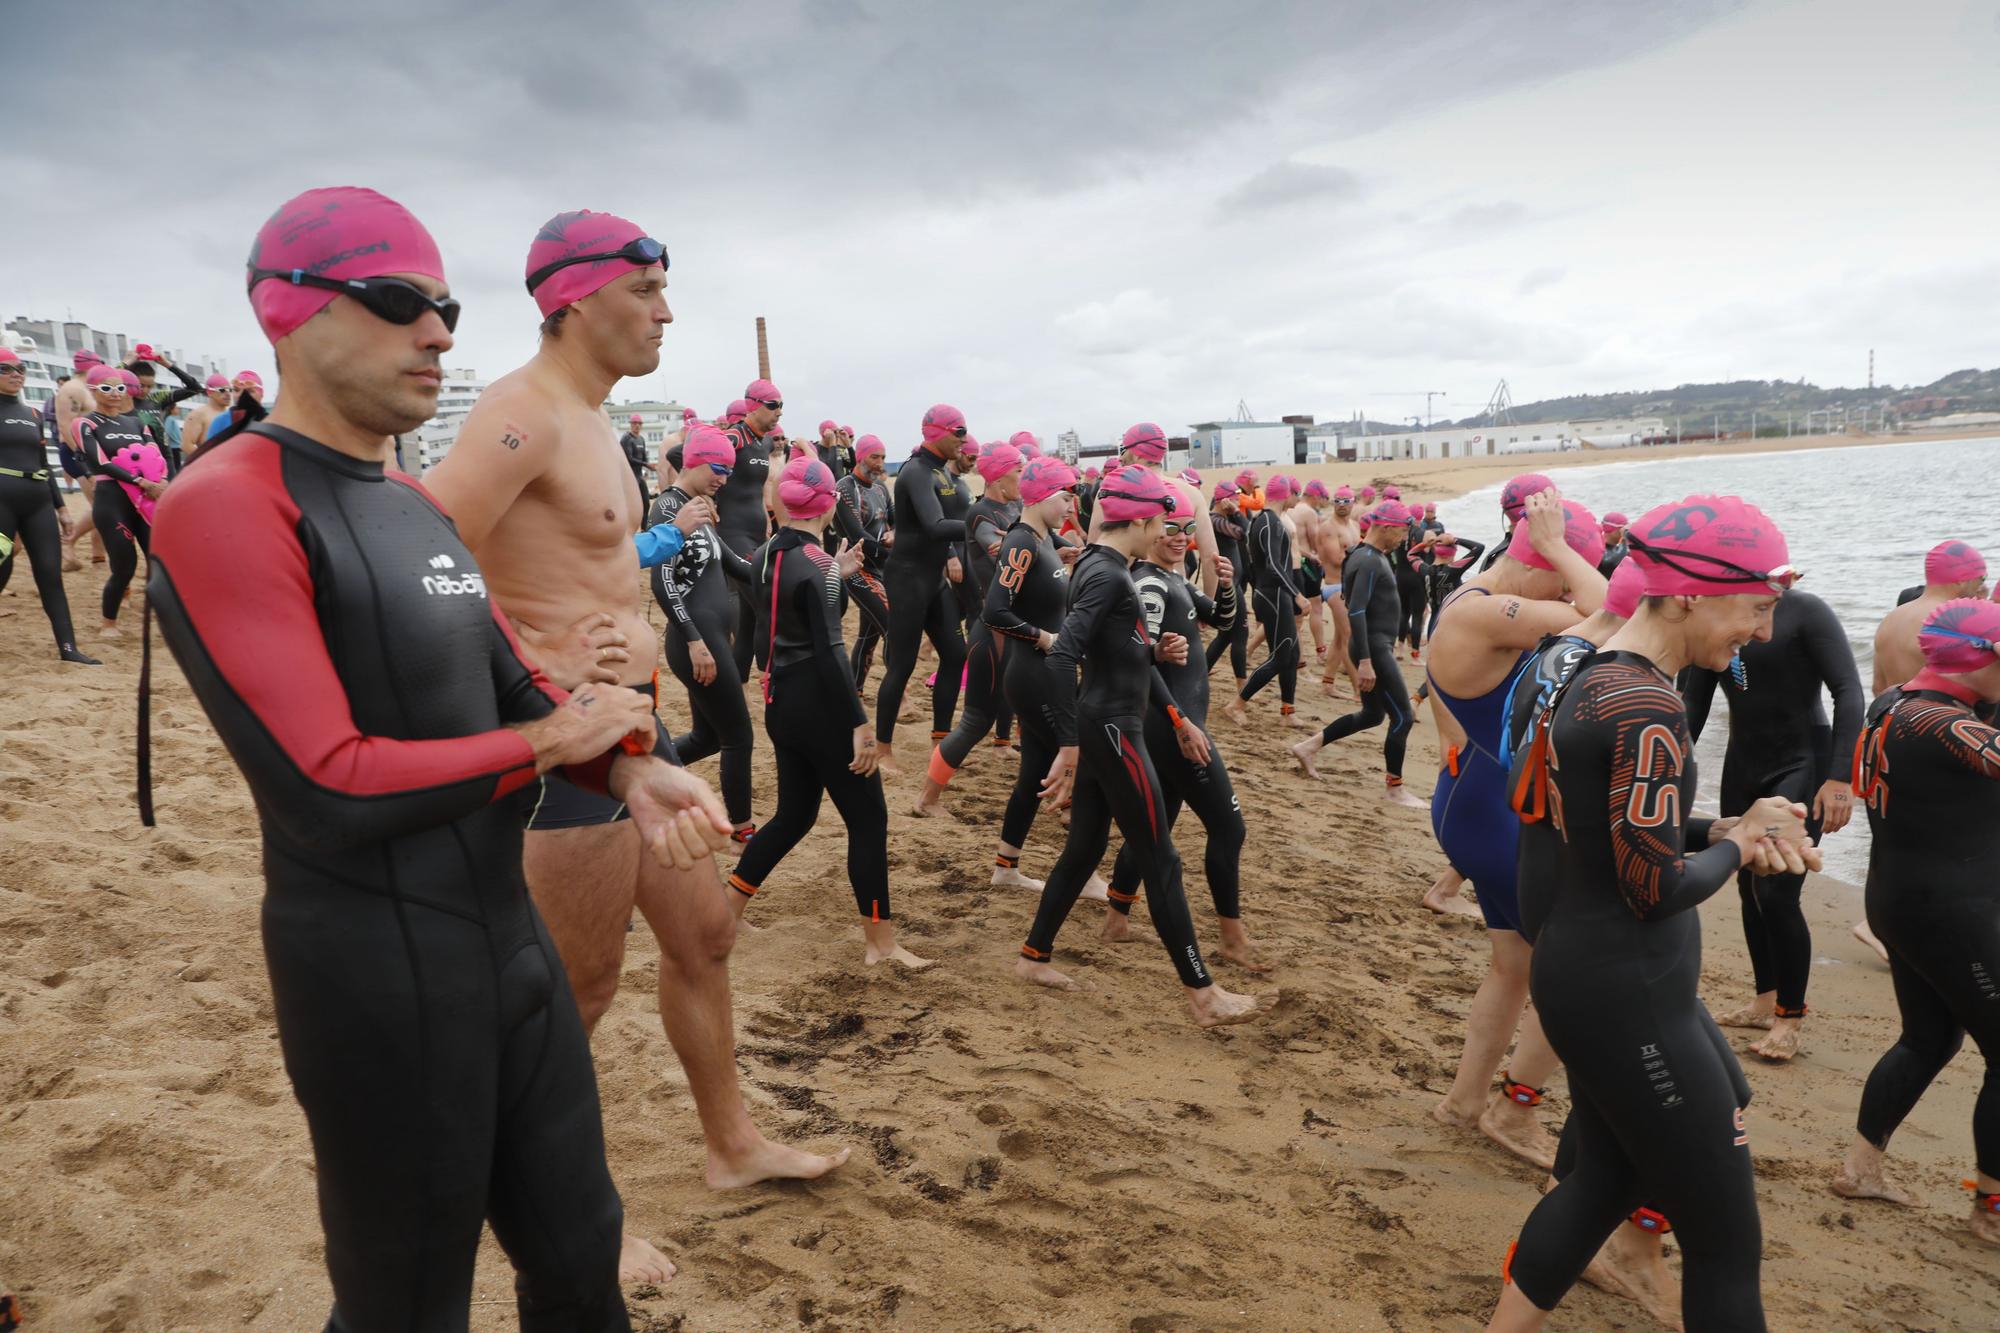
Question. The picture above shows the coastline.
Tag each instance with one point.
(1024, 1159)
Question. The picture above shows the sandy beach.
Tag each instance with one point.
(1024, 1159)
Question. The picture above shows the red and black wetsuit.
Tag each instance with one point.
(340, 638)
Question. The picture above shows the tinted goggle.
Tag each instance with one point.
(389, 299)
(1185, 529)
(775, 404)
(958, 431)
(641, 252)
(721, 470)
(1166, 505)
(1715, 569)
(12, 368)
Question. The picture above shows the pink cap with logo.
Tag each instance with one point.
(144, 352)
(1227, 490)
(806, 489)
(1962, 635)
(1316, 489)
(1278, 488)
(580, 232)
(868, 446)
(827, 425)
(341, 231)
(249, 377)
(1953, 562)
(85, 359)
(942, 420)
(1146, 441)
(9, 357)
(997, 460)
(1580, 533)
(1710, 545)
(214, 382)
(1343, 495)
(1043, 477)
(131, 382)
(1514, 495)
(735, 412)
(761, 392)
(1132, 495)
(707, 444)
(1390, 513)
(1183, 498)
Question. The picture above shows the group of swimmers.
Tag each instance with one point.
(446, 705)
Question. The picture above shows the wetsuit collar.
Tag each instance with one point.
(1931, 682)
(926, 448)
(360, 469)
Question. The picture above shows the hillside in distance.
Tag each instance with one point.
(1738, 402)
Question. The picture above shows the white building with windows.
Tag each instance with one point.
(1461, 441)
(60, 340)
(456, 395)
(1235, 444)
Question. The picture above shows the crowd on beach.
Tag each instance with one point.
(472, 775)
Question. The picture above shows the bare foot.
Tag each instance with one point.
(1515, 1128)
(888, 765)
(1237, 949)
(1444, 897)
(765, 1160)
(1984, 1225)
(1233, 710)
(1007, 877)
(1302, 755)
(1867, 937)
(896, 953)
(1755, 1014)
(1330, 687)
(1449, 1116)
(71, 564)
(1027, 969)
(1294, 721)
(1214, 1007)
(927, 809)
(1403, 796)
(639, 1261)
(1783, 1043)
(1851, 1184)
(1117, 928)
(1097, 890)
(1633, 1264)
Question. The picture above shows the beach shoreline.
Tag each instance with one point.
(1025, 1159)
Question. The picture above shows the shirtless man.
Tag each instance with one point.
(1338, 533)
(1302, 517)
(214, 402)
(542, 495)
(73, 402)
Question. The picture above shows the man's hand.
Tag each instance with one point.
(1061, 776)
(65, 525)
(1193, 743)
(703, 662)
(589, 650)
(1301, 604)
(152, 490)
(849, 561)
(680, 819)
(1364, 675)
(694, 515)
(1225, 573)
(1833, 805)
(1048, 641)
(867, 754)
(1171, 649)
(590, 722)
(954, 571)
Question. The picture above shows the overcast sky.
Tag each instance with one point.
(1067, 214)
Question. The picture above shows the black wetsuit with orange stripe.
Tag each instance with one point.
(339, 636)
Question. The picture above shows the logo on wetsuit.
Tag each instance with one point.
(442, 584)
(1660, 1076)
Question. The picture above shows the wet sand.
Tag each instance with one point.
(1024, 1159)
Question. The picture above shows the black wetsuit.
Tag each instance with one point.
(1174, 606)
(693, 588)
(810, 713)
(986, 524)
(1499, 549)
(1657, 1115)
(1412, 599)
(743, 523)
(869, 504)
(1028, 595)
(1104, 631)
(1272, 590)
(1443, 577)
(1229, 532)
(364, 684)
(117, 519)
(156, 407)
(919, 604)
(1374, 612)
(1086, 503)
(1780, 745)
(1613, 556)
(1930, 773)
(29, 503)
(1908, 595)
(634, 446)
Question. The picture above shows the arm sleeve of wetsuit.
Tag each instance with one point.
(658, 544)
(1698, 692)
(1649, 753)
(1358, 589)
(1010, 575)
(1090, 605)
(1826, 643)
(664, 510)
(926, 510)
(847, 518)
(1973, 745)
(256, 655)
(1473, 550)
(736, 566)
(818, 603)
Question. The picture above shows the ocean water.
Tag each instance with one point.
(1858, 521)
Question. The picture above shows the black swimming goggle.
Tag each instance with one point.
(1776, 580)
(389, 299)
(1165, 503)
(641, 252)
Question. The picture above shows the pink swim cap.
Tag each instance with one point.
(1580, 533)
(997, 460)
(1133, 495)
(637, 419)
(1146, 441)
(943, 420)
(1514, 495)
(760, 392)
(249, 377)
(968, 450)
(130, 381)
(216, 382)
(868, 446)
(1430, 506)
(1961, 636)
(1227, 490)
(806, 489)
(1344, 495)
(1091, 472)
(1025, 441)
(1365, 521)
(342, 231)
(1614, 519)
(828, 425)
(1190, 477)
(1391, 493)
(1278, 488)
(1392, 513)
(1367, 492)
(101, 374)
(848, 431)
(85, 359)
(143, 352)
(9, 357)
(689, 416)
(1247, 479)
(1710, 545)
(705, 445)
(1043, 477)
(735, 412)
(582, 232)
(1316, 489)
(1628, 583)
(1183, 501)
(1953, 562)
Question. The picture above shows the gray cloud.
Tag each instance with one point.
(1284, 183)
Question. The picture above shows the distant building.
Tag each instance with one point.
(662, 420)
(60, 340)
(1459, 442)
(1069, 447)
(460, 390)
(1618, 432)
(1232, 444)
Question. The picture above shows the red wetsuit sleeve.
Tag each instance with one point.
(254, 651)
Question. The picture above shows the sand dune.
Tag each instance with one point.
(1025, 1159)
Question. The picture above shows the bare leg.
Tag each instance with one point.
(1511, 1124)
(930, 802)
(1496, 1011)
(1304, 753)
(1516, 1313)
(1633, 1264)
(1867, 937)
(1236, 946)
(1759, 1013)
(1863, 1176)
